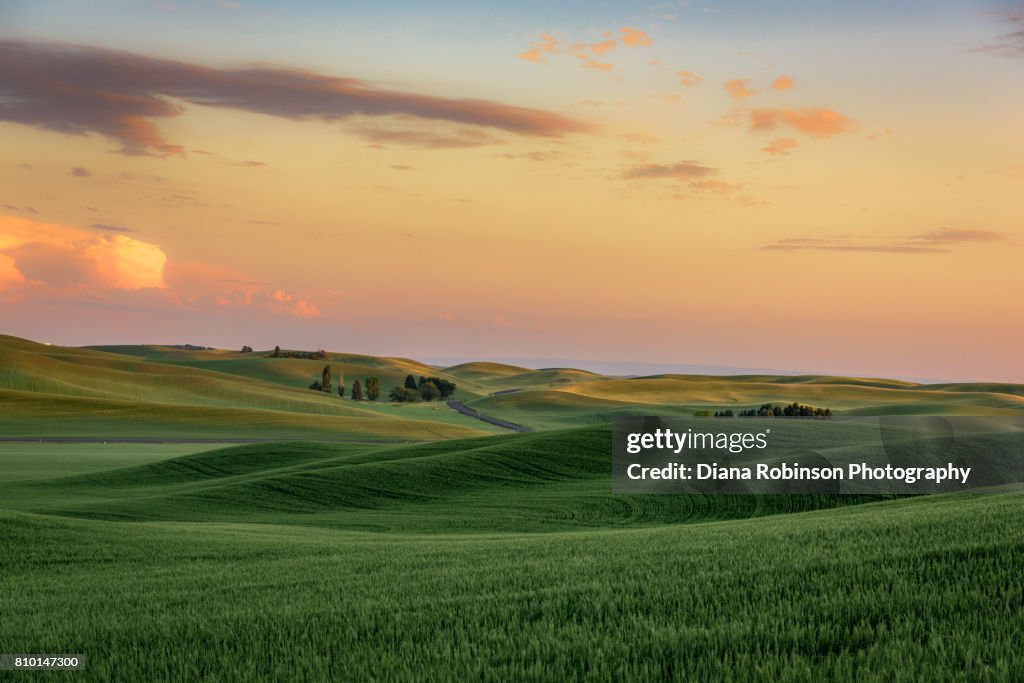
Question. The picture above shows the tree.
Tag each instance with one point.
(247, 349)
(277, 352)
(410, 382)
(326, 379)
(429, 391)
(372, 388)
(357, 391)
(316, 386)
(397, 394)
(341, 387)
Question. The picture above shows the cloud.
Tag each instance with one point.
(1010, 44)
(684, 170)
(427, 137)
(718, 186)
(49, 261)
(633, 37)
(251, 163)
(816, 122)
(688, 78)
(120, 95)
(934, 242)
(27, 209)
(499, 322)
(76, 171)
(591, 63)
(603, 47)
(782, 83)
(537, 53)
(739, 89)
(781, 146)
(953, 236)
(112, 228)
(879, 135)
(282, 301)
(60, 256)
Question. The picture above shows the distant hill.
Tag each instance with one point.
(170, 391)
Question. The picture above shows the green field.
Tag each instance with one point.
(408, 542)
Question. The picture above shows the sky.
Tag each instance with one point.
(830, 187)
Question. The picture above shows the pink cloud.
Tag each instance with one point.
(781, 146)
(633, 37)
(816, 122)
(688, 78)
(739, 88)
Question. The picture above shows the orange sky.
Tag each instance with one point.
(586, 189)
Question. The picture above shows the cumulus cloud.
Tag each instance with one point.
(65, 262)
(603, 46)
(77, 90)
(816, 122)
(61, 256)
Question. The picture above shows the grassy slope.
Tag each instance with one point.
(537, 482)
(55, 391)
(928, 589)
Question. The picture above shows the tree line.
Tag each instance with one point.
(771, 410)
(414, 390)
(422, 389)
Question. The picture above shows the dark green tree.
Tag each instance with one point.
(325, 381)
(410, 382)
(341, 387)
(357, 391)
(429, 391)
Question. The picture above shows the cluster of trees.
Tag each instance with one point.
(319, 354)
(370, 393)
(771, 410)
(247, 349)
(422, 389)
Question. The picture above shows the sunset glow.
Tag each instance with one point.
(662, 182)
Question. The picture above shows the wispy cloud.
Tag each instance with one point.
(106, 227)
(688, 78)
(739, 88)
(427, 137)
(77, 171)
(542, 49)
(77, 90)
(684, 170)
(937, 241)
(816, 122)
(1010, 44)
(781, 146)
(782, 83)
